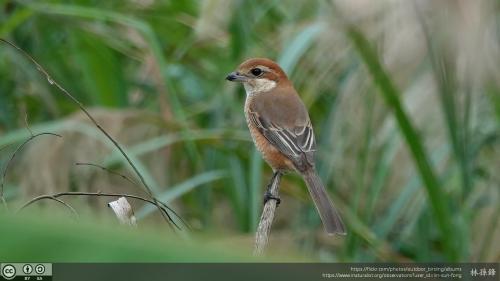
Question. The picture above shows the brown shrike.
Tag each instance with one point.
(280, 127)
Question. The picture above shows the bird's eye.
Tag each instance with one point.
(256, 71)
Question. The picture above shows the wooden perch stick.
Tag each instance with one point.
(267, 217)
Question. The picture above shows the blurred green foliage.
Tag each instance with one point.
(404, 100)
(58, 239)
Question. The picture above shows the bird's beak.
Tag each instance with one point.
(236, 77)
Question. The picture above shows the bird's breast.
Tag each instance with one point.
(276, 159)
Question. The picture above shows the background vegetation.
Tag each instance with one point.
(404, 96)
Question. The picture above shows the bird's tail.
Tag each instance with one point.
(329, 215)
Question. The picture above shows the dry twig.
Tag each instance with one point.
(162, 207)
(109, 171)
(135, 184)
(52, 82)
(4, 174)
(267, 217)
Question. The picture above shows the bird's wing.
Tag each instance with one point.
(292, 142)
(283, 120)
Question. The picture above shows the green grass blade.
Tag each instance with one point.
(391, 95)
(297, 47)
(156, 143)
(239, 192)
(180, 189)
(149, 36)
(256, 188)
(17, 18)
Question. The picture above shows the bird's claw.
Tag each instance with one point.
(268, 196)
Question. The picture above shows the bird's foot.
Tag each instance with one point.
(268, 196)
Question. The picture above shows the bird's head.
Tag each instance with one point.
(259, 75)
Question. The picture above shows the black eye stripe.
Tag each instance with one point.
(256, 71)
